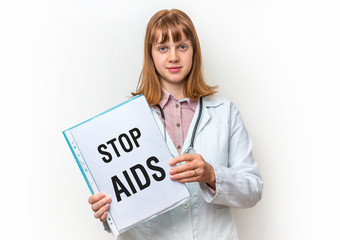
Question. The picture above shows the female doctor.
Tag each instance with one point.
(204, 132)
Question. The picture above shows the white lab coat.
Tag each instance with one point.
(223, 141)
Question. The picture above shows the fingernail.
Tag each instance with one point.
(108, 199)
(171, 171)
(101, 194)
(171, 162)
(107, 205)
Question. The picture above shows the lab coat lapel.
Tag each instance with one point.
(204, 119)
(208, 102)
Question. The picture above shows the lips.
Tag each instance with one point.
(174, 69)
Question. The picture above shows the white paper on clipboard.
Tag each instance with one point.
(122, 152)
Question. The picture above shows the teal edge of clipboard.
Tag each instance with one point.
(74, 155)
(78, 163)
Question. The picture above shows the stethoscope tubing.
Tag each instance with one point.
(191, 146)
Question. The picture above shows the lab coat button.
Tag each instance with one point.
(185, 205)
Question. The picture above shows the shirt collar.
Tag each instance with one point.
(166, 97)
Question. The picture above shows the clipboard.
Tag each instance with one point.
(122, 152)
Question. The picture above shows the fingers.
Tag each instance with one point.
(192, 162)
(182, 158)
(101, 213)
(183, 167)
(186, 176)
(100, 204)
(103, 217)
(96, 197)
(194, 169)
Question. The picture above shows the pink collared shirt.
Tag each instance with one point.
(178, 116)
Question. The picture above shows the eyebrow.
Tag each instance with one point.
(183, 41)
(179, 42)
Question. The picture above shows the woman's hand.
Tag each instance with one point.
(100, 204)
(194, 169)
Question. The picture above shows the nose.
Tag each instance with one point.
(173, 56)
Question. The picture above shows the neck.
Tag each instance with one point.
(177, 90)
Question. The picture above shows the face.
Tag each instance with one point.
(173, 60)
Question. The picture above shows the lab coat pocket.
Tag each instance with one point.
(226, 227)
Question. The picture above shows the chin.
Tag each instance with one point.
(176, 80)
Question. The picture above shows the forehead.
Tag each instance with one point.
(165, 34)
(160, 38)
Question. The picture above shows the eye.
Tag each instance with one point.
(162, 48)
(182, 47)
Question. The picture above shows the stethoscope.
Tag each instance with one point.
(190, 149)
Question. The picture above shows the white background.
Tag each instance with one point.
(64, 61)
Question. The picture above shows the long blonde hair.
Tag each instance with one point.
(179, 24)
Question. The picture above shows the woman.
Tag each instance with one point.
(220, 173)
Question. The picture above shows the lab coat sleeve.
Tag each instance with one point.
(239, 184)
(106, 227)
